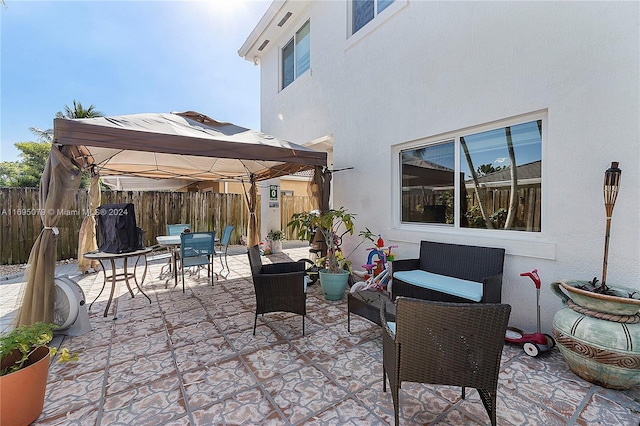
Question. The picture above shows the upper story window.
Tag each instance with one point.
(296, 55)
(495, 183)
(363, 11)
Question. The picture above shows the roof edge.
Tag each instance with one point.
(260, 28)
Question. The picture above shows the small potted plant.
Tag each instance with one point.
(24, 366)
(275, 238)
(333, 224)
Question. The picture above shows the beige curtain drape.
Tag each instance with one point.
(87, 240)
(253, 237)
(60, 180)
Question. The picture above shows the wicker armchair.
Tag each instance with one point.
(456, 344)
(279, 287)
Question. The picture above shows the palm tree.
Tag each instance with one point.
(513, 195)
(480, 192)
(78, 111)
(43, 135)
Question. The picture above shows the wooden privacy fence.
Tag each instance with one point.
(528, 213)
(20, 221)
(426, 207)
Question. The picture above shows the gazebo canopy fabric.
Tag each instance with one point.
(187, 146)
(171, 147)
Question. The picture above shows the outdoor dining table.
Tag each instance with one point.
(173, 242)
(123, 276)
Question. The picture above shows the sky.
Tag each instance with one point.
(124, 57)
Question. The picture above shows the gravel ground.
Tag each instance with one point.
(19, 268)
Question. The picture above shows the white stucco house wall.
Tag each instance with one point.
(428, 73)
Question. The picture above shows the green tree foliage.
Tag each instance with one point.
(78, 111)
(28, 171)
(8, 172)
(25, 173)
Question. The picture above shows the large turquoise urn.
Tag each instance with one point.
(599, 335)
(333, 284)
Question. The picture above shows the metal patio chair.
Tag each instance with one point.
(197, 249)
(223, 247)
(175, 229)
(178, 228)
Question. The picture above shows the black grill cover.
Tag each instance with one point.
(117, 228)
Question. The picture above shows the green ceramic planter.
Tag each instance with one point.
(333, 285)
(601, 343)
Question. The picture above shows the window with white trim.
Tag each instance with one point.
(296, 55)
(489, 178)
(363, 11)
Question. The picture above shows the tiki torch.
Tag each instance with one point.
(610, 189)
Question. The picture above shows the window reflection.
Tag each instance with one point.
(363, 11)
(427, 183)
(502, 172)
(499, 178)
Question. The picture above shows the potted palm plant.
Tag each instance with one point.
(333, 224)
(24, 366)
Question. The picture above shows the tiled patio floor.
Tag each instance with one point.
(191, 359)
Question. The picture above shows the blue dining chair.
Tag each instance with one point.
(223, 246)
(197, 249)
(177, 228)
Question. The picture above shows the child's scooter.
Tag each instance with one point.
(532, 343)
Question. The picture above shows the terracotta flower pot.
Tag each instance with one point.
(22, 392)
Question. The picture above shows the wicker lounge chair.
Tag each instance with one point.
(441, 343)
(279, 287)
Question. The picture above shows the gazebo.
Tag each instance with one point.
(164, 147)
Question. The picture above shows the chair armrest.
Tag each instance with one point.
(383, 322)
(282, 267)
(492, 289)
(405, 265)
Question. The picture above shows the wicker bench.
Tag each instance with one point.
(450, 273)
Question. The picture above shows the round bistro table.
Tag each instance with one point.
(125, 275)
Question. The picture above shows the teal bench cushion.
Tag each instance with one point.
(455, 286)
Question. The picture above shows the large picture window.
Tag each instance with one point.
(495, 184)
(296, 55)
